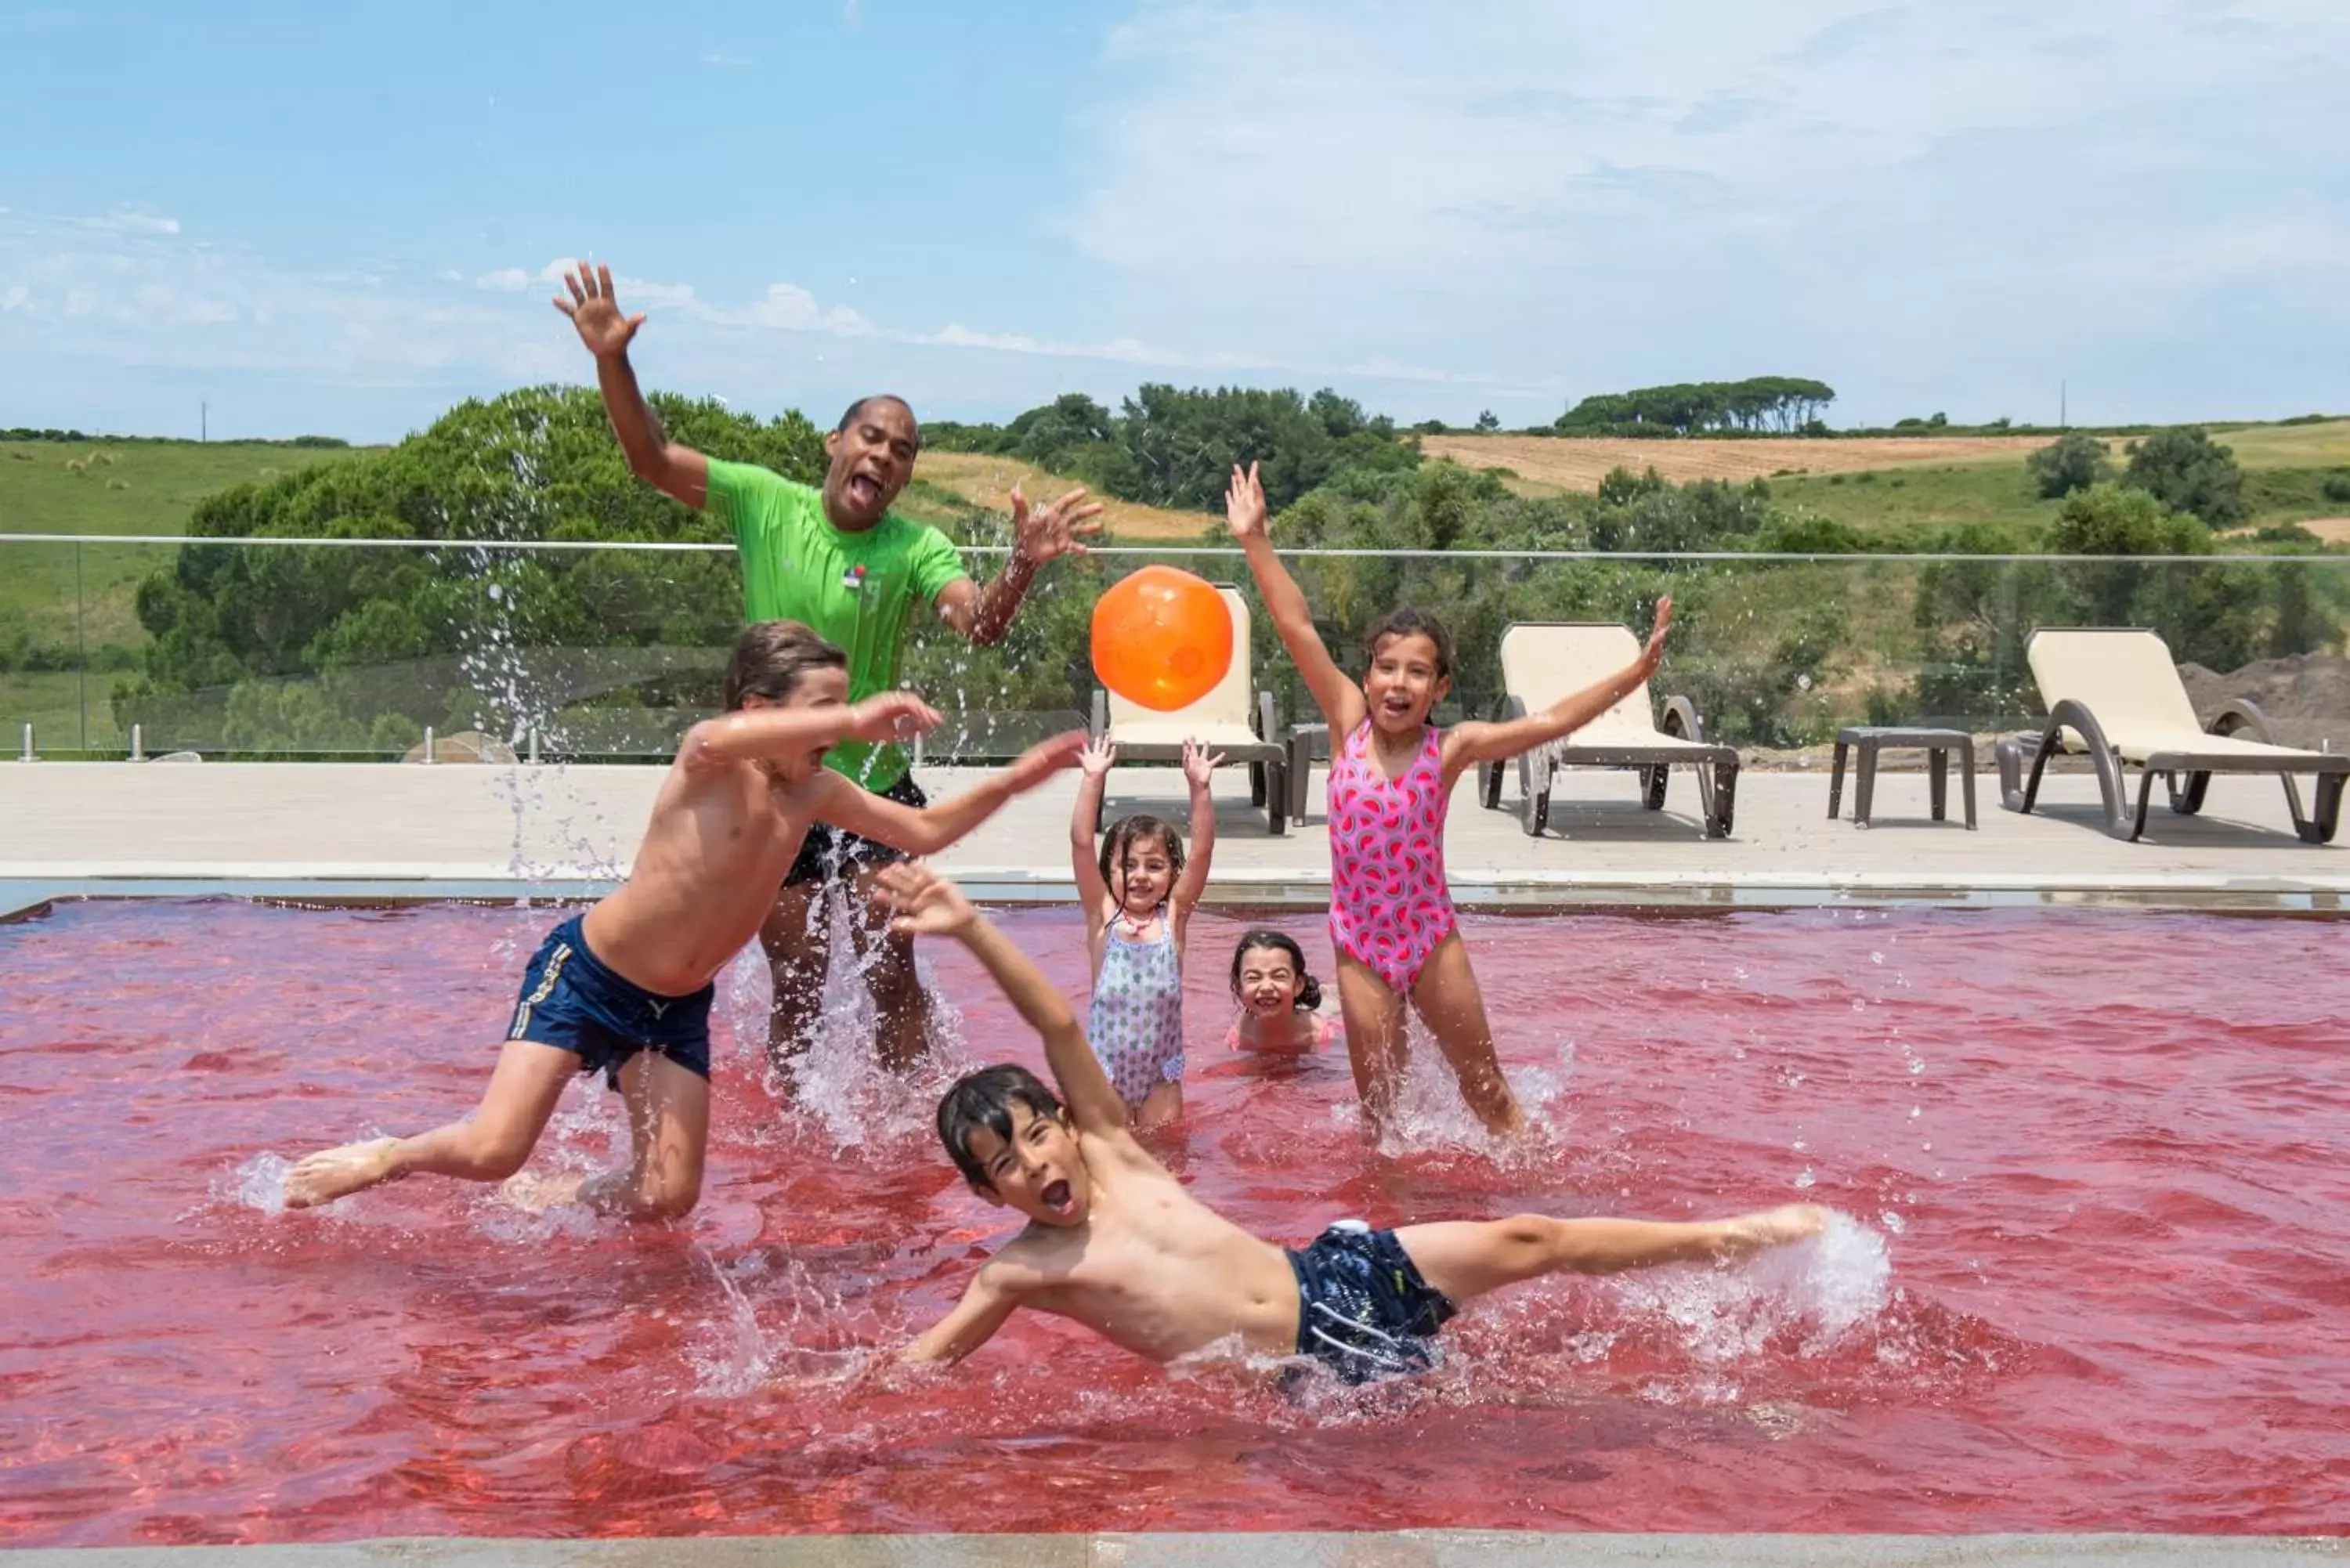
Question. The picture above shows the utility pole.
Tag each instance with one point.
(203, 423)
(2062, 423)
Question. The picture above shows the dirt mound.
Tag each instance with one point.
(1578, 462)
(2306, 698)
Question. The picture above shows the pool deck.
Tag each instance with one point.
(393, 831)
(1396, 1549)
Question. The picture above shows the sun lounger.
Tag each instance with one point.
(1222, 721)
(1543, 663)
(2114, 695)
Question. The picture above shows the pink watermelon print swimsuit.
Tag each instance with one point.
(1389, 905)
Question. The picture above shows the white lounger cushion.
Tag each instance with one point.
(2127, 682)
(1541, 664)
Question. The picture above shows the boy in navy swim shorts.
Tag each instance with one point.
(625, 989)
(1116, 1242)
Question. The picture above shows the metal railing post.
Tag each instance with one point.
(29, 756)
(428, 742)
(138, 742)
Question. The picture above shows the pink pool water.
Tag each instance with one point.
(2100, 1165)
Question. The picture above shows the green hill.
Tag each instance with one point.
(58, 600)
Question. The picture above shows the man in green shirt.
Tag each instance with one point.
(840, 561)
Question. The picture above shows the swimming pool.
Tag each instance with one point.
(2095, 1284)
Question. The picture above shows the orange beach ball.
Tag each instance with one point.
(1162, 638)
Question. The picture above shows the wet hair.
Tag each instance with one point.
(861, 404)
(985, 1099)
(1406, 622)
(1309, 989)
(770, 658)
(1128, 830)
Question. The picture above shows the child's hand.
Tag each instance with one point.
(923, 903)
(1042, 760)
(1198, 763)
(1245, 504)
(1097, 758)
(1654, 654)
(892, 716)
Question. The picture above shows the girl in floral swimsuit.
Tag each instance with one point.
(1391, 778)
(1139, 893)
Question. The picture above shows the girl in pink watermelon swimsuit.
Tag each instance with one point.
(1392, 777)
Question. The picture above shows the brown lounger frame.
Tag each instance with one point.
(1716, 767)
(2018, 794)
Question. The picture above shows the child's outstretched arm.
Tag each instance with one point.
(754, 734)
(1340, 699)
(1466, 745)
(1200, 765)
(1084, 822)
(928, 829)
(988, 1303)
(926, 904)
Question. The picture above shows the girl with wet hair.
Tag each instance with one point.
(1138, 892)
(1281, 1004)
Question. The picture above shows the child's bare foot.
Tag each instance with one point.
(535, 1194)
(332, 1173)
(1775, 1227)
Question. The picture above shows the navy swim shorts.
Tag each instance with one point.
(572, 1003)
(828, 852)
(1363, 1309)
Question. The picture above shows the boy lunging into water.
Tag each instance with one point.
(626, 987)
(1116, 1243)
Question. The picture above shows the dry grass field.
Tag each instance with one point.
(1548, 464)
(988, 480)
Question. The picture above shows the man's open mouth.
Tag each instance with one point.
(863, 489)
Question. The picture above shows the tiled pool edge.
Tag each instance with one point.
(25, 890)
(1399, 1549)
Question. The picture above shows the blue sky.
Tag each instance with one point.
(343, 219)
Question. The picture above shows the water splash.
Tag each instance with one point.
(838, 1085)
(258, 1184)
(1818, 1290)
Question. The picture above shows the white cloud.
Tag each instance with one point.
(505, 280)
(1530, 192)
(717, 57)
(135, 221)
(794, 309)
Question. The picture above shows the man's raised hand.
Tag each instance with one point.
(595, 313)
(1037, 537)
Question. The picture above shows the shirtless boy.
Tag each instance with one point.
(626, 988)
(1116, 1242)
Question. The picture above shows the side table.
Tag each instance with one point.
(1873, 738)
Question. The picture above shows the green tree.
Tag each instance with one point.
(502, 633)
(2186, 470)
(1486, 420)
(2076, 461)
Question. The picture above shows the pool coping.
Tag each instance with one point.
(24, 889)
(1385, 1549)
